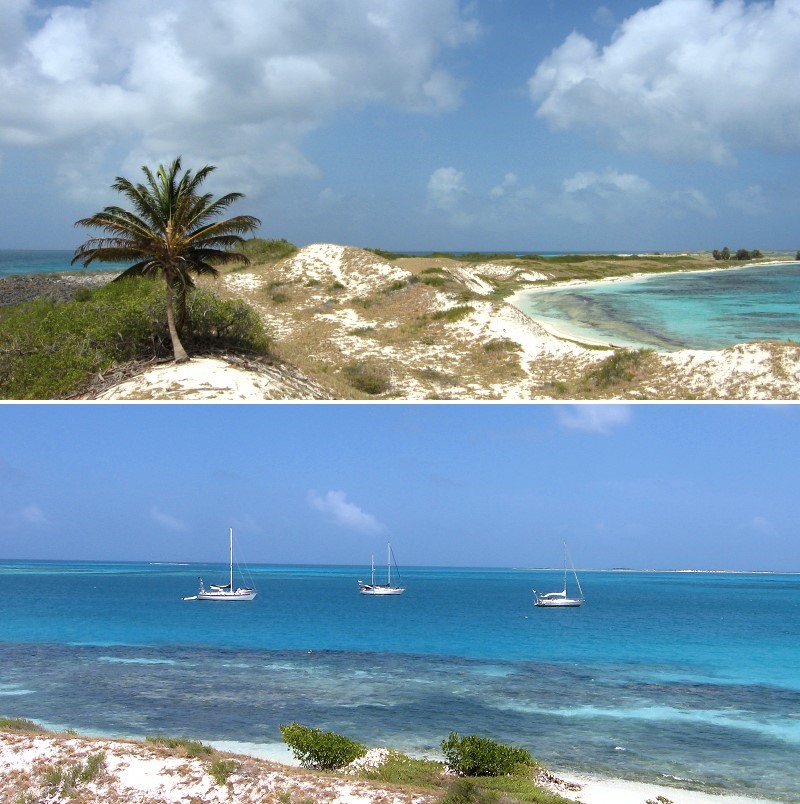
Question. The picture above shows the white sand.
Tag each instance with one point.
(210, 380)
(142, 772)
(617, 791)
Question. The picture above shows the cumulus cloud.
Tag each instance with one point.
(168, 520)
(509, 182)
(684, 80)
(347, 514)
(239, 83)
(600, 419)
(608, 196)
(446, 188)
(447, 191)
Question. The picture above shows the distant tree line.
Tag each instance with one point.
(741, 254)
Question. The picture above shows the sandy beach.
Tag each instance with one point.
(133, 771)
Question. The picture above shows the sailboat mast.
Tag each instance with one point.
(389, 565)
(231, 578)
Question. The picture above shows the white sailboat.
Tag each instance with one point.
(560, 599)
(226, 591)
(373, 588)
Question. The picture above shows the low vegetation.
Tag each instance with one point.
(474, 759)
(367, 376)
(20, 724)
(476, 770)
(51, 349)
(740, 255)
(479, 756)
(186, 747)
(221, 770)
(321, 750)
(260, 250)
(61, 782)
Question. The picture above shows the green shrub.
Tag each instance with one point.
(398, 284)
(260, 250)
(191, 748)
(221, 769)
(60, 781)
(433, 281)
(223, 323)
(94, 767)
(479, 756)
(501, 345)
(453, 314)
(621, 366)
(368, 377)
(386, 255)
(50, 349)
(323, 750)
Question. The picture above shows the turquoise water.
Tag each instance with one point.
(690, 679)
(35, 262)
(694, 310)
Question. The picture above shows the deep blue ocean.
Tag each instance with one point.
(691, 310)
(686, 679)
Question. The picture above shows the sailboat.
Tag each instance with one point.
(224, 591)
(373, 588)
(560, 599)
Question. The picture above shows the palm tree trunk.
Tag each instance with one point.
(177, 347)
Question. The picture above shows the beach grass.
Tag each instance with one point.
(21, 725)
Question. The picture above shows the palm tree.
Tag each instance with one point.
(172, 232)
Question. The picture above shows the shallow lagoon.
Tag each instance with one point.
(688, 310)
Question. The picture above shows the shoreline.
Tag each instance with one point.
(562, 332)
(135, 767)
(594, 789)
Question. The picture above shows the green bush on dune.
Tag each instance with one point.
(479, 756)
(48, 350)
(323, 750)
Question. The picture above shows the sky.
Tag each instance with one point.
(414, 125)
(662, 486)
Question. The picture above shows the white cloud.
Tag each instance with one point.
(447, 191)
(586, 197)
(446, 188)
(683, 79)
(168, 520)
(510, 181)
(600, 419)
(238, 83)
(344, 513)
(607, 184)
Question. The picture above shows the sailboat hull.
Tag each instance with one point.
(559, 604)
(367, 589)
(239, 594)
